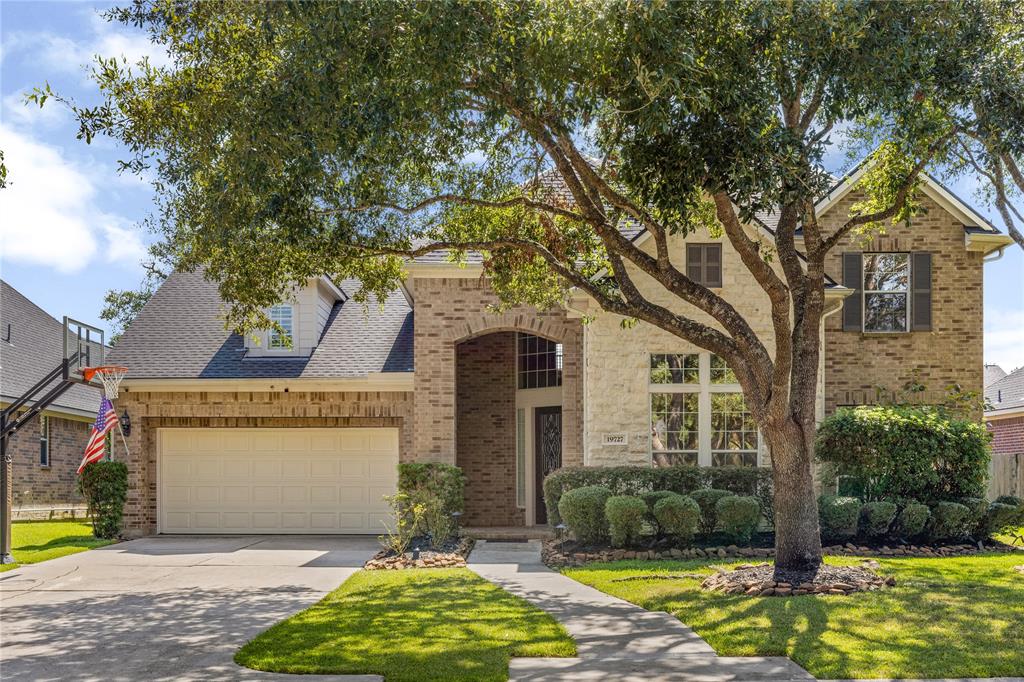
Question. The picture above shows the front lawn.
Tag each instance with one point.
(1011, 536)
(35, 541)
(957, 617)
(425, 624)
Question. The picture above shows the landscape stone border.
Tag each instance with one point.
(384, 560)
(553, 555)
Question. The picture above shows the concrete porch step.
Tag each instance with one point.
(506, 533)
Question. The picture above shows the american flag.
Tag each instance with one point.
(105, 421)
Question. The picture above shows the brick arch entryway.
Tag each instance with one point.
(465, 392)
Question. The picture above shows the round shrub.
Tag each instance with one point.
(738, 516)
(707, 499)
(838, 516)
(1001, 516)
(582, 509)
(979, 516)
(876, 518)
(949, 521)
(911, 520)
(651, 498)
(677, 516)
(1010, 500)
(625, 514)
(104, 485)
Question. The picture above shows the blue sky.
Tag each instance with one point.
(69, 224)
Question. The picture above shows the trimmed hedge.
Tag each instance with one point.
(902, 453)
(838, 516)
(707, 499)
(678, 516)
(104, 485)
(911, 520)
(950, 521)
(1002, 516)
(876, 518)
(625, 514)
(583, 511)
(738, 516)
(651, 499)
(637, 480)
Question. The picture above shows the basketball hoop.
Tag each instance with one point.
(109, 375)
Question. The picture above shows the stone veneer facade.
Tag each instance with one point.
(151, 411)
(56, 485)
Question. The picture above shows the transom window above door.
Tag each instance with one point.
(538, 362)
(698, 414)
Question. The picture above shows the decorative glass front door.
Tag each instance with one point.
(547, 452)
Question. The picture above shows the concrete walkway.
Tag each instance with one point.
(165, 608)
(616, 641)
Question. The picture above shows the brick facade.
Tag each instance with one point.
(55, 485)
(486, 429)
(450, 311)
(1007, 435)
(151, 411)
(858, 366)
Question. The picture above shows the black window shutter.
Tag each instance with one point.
(853, 264)
(713, 265)
(920, 291)
(695, 263)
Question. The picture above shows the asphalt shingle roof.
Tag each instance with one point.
(34, 349)
(180, 334)
(1006, 393)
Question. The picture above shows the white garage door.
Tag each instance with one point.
(275, 480)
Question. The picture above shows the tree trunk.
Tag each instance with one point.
(797, 537)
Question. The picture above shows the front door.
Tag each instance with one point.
(547, 452)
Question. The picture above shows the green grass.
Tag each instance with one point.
(35, 541)
(1010, 539)
(427, 624)
(957, 617)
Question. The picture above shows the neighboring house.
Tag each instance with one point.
(1005, 413)
(47, 451)
(235, 435)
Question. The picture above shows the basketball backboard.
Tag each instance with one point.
(83, 347)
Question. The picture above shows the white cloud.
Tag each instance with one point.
(1004, 338)
(16, 112)
(50, 215)
(61, 54)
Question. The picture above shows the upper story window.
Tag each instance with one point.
(44, 441)
(704, 264)
(538, 362)
(282, 315)
(886, 292)
(698, 413)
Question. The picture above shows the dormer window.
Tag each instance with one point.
(282, 316)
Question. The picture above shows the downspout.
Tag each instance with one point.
(999, 254)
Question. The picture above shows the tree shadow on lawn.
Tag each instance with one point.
(430, 624)
(937, 621)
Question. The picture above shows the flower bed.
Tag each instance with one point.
(453, 553)
(556, 554)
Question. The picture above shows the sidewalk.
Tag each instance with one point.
(615, 640)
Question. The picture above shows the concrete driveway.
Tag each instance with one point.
(163, 608)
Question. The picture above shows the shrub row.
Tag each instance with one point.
(596, 516)
(644, 480)
(843, 518)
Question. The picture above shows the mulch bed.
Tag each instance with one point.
(451, 553)
(569, 553)
(765, 580)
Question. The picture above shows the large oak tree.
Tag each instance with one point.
(291, 140)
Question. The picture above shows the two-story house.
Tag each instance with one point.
(257, 435)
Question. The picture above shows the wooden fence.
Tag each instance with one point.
(1006, 475)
